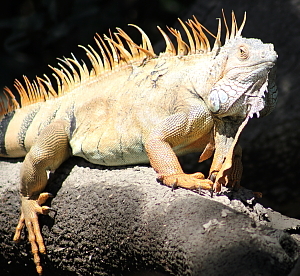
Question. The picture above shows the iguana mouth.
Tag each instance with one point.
(265, 64)
(268, 64)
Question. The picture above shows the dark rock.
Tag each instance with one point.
(119, 221)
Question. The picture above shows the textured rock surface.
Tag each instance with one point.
(117, 221)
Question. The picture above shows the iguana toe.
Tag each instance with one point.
(43, 197)
(188, 181)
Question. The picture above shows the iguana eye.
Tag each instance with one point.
(243, 52)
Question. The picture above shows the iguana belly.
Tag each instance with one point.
(110, 148)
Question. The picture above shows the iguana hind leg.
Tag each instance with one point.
(49, 151)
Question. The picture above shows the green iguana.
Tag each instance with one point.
(134, 106)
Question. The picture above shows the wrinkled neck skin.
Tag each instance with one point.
(228, 127)
(227, 133)
(227, 130)
(271, 94)
(258, 99)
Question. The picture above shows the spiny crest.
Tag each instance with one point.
(114, 54)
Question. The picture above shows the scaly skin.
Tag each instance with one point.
(150, 109)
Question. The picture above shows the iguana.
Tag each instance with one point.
(134, 106)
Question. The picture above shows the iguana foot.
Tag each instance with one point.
(29, 216)
(188, 181)
(221, 179)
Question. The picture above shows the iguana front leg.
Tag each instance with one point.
(229, 172)
(49, 151)
(226, 168)
(172, 132)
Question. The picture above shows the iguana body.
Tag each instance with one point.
(137, 108)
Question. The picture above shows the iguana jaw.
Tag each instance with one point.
(253, 69)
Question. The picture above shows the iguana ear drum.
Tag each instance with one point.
(214, 101)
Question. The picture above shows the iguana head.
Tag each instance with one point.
(247, 83)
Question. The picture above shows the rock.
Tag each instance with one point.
(120, 221)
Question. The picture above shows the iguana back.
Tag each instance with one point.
(110, 120)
